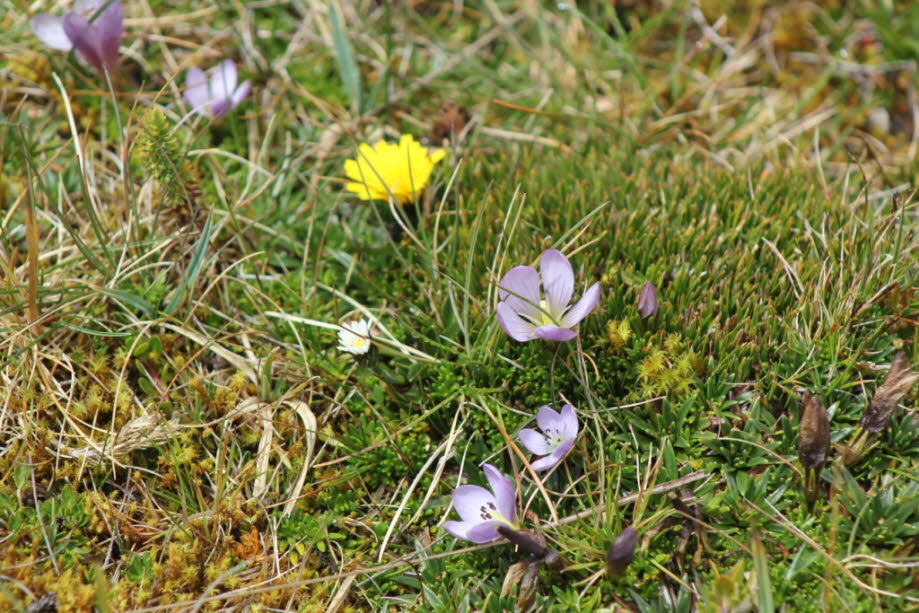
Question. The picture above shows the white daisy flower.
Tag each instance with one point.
(354, 336)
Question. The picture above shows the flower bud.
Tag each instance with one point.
(621, 552)
(647, 301)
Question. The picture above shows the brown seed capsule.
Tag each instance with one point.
(813, 443)
(647, 301)
(533, 541)
(899, 381)
(450, 123)
(813, 433)
(621, 552)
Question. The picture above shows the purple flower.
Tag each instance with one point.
(94, 34)
(483, 511)
(525, 314)
(214, 94)
(556, 439)
(647, 301)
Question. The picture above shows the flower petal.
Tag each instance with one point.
(223, 80)
(219, 107)
(459, 529)
(569, 422)
(85, 39)
(553, 458)
(196, 92)
(533, 441)
(547, 462)
(483, 532)
(468, 501)
(564, 447)
(505, 492)
(514, 325)
(549, 420)
(519, 289)
(554, 333)
(353, 171)
(50, 30)
(108, 30)
(557, 280)
(436, 155)
(87, 8)
(583, 307)
(360, 190)
(241, 92)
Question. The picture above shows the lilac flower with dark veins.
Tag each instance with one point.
(536, 304)
(93, 29)
(483, 511)
(214, 94)
(556, 439)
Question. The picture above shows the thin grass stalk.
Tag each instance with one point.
(31, 235)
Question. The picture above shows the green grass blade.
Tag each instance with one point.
(344, 58)
(194, 269)
(763, 585)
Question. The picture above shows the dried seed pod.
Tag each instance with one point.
(553, 561)
(899, 381)
(813, 442)
(813, 433)
(621, 552)
(450, 123)
(533, 542)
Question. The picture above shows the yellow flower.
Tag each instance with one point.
(402, 170)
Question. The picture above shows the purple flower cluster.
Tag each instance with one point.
(532, 304)
(484, 511)
(94, 29)
(537, 304)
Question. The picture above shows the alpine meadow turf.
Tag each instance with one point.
(250, 353)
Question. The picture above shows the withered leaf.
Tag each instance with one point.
(527, 593)
(899, 381)
(514, 575)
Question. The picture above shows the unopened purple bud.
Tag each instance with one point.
(647, 301)
(621, 552)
